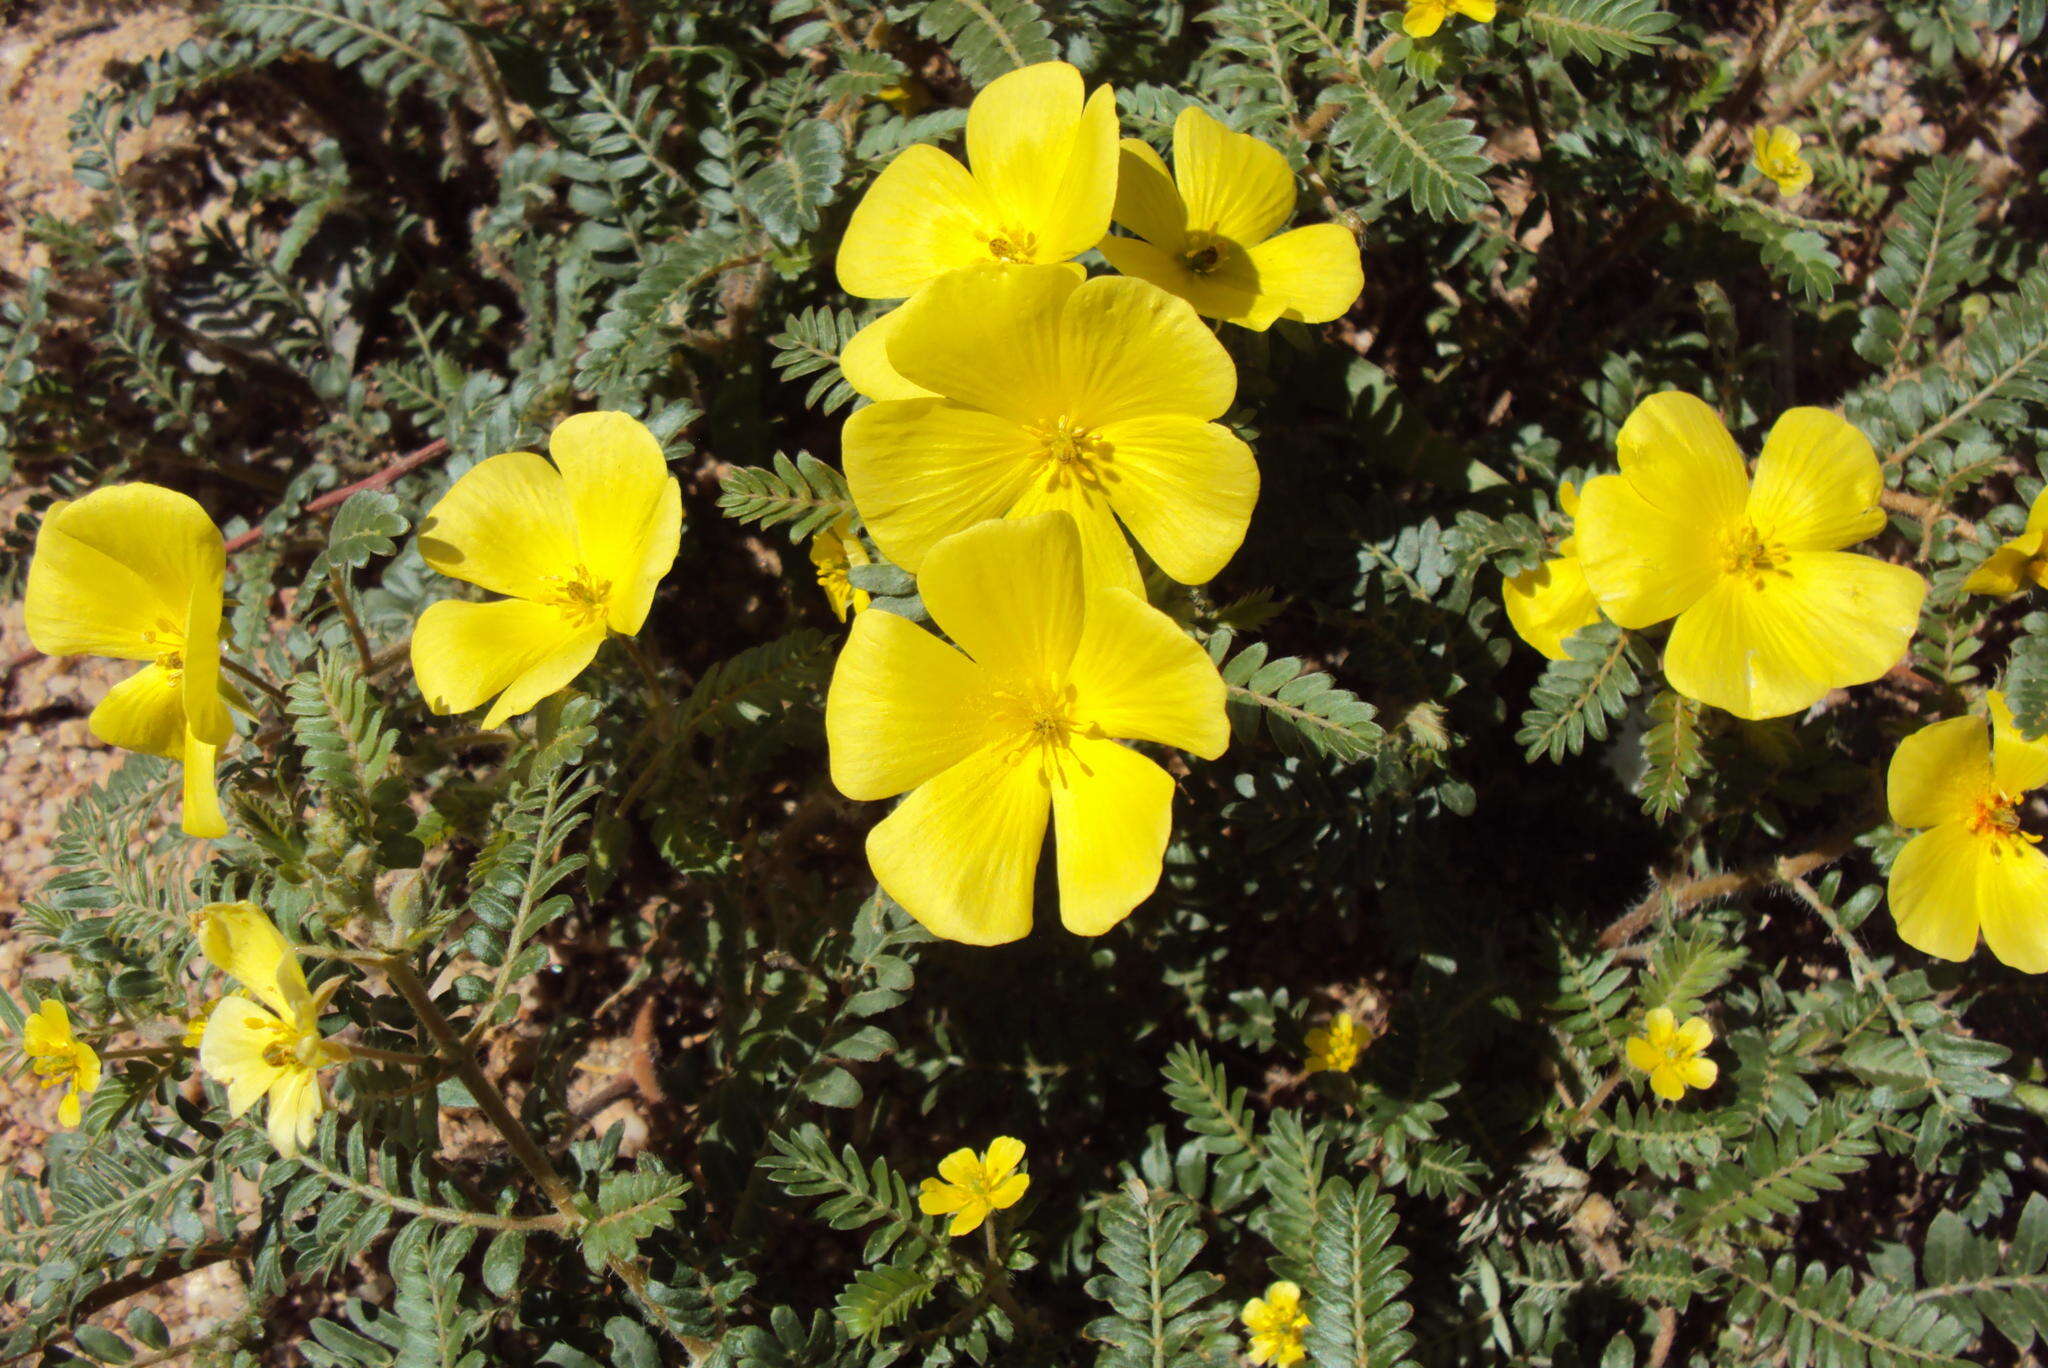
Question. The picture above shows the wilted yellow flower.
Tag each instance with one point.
(834, 552)
(1973, 868)
(1017, 723)
(2023, 558)
(579, 546)
(1772, 613)
(970, 1186)
(1206, 230)
(1673, 1055)
(1094, 398)
(271, 1047)
(1334, 1048)
(58, 1058)
(134, 572)
(1425, 17)
(1547, 604)
(1777, 157)
(1275, 1324)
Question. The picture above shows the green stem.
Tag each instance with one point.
(338, 582)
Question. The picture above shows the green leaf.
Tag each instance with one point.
(880, 1299)
(631, 1207)
(989, 37)
(805, 493)
(1412, 145)
(1160, 1312)
(1575, 698)
(1674, 753)
(794, 185)
(1597, 29)
(1355, 1319)
(1303, 710)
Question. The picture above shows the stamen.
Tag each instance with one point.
(1747, 555)
(1204, 252)
(581, 597)
(1015, 248)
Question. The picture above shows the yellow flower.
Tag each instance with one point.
(2023, 558)
(969, 1186)
(1777, 157)
(272, 1046)
(579, 546)
(1275, 1323)
(1018, 722)
(834, 552)
(195, 1031)
(1425, 17)
(1772, 613)
(1973, 868)
(1334, 1048)
(134, 572)
(1673, 1055)
(1095, 398)
(57, 1057)
(1206, 230)
(1042, 187)
(1547, 604)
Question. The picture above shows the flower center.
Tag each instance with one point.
(1014, 248)
(1746, 555)
(292, 1048)
(1204, 252)
(581, 597)
(170, 647)
(1041, 716)
(1996, 817)
(55, 1067)
(1072, 454)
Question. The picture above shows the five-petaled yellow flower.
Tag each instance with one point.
(579, 546)
(1547, 604)
(1096, 398)
(1042, 187)
(134, 571)
(835, 550)
(272, 1046)
(1334, 1048)
(1018, 723)
(1776, 156)
(58, 1058)
(1772, 612)
(1275, 1324)
(2023, 558)
(1425, 17)
(1973, 869)
(1206, 230)
(1674, 1056)
(970, 1186)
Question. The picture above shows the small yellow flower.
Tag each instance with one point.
(2023, 558)
(270, 1047)
(1275, 1323)
(134, 572)
(1777, 158)
(1425, 17)
(195, 1031)
(1772, 612)
(1547, 604)
(1015, 725)
(1334, 1048)
(579, 547)
(1972, 869)
(1673, 1055)
(834, 553)
(1206, 230)
(1097, 398)
(57, 1057)
(969, 1186)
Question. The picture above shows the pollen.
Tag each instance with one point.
(1204, 253)
(1015, 248)
(1747, 555)
(1072, 454)
(1996, 815)
(581, 597)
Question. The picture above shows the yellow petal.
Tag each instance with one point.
(232, 1051)
(1147, 201)
(989, 339)
(1696, 1035)
(86, 1066)
(628, 508)
(1642, 563)
(238, 939)
(1938, 773)
(2000, 572)
(1424, 17)
(962, 1168)
(144, 712)
(205, 711)
(1316, 270)
(1234, 184)
(1186, 490)
(920, 470)
(201, 814)
(48, 1028)
(117, 569)
(961, 852)
(1131, 350)
(970, 1218)
(1010, 1191)
(1010, 594)
(1229, 292)
(1699, 1073)
(2012, 891)
(1660, 1025)
(69, 1112)
(903, 706)
(1678, 455)
(508, 525)
(295, 1106)
(865, 364)
(1825, 620)
(938, 1199)
(1112, 816)
(1005, 1152)
(1106, 555)
(1138, 676)
(1549, 603)
(923, 216)
(1817, 483)
(2017, 764)
(1933, 891)
(1047, 157)
(1642, 1054)
(464, 654)
(1667, 1082)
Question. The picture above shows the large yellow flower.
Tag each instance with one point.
(1772, 613)
(1775, 154)
(1043, 184)
(1092, 397)
(2023, 559)
(1206, 230)
(60, 1059)
(1017, 723)
(270, 1047)
(134, 572)
(1274, 1325)
(1973, 868)
(970, 1187)
(579, 546)
(1547, 604)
